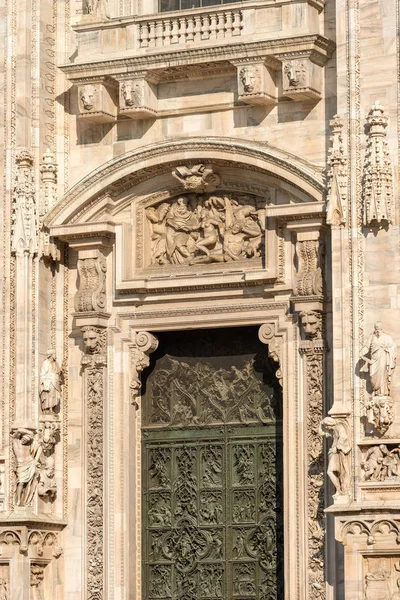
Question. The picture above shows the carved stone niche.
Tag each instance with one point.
(256, 83)
(371, 557)
(137, 97)
(301, 77)
(97, 100)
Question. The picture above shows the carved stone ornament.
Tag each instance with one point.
(89, 97)
(48, 171)
(97, 101)
(301, 77)
(144, 344)
(37, 575)
(48, 436)
(296, 73)
(197, 178)
(50, 383)
(132, 93)
(379, 356)
(339, 467)
(378, 178)
(137, 98)
(337, 176)
(24, 221)
(308, 280)
(195, 229)
(96, 7)
(91, 294)
(94, 342)
(249, 80)
(381, 463)
(27, 451)
(4, 588)
(267, 335)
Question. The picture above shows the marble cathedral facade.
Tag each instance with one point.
(200, 308)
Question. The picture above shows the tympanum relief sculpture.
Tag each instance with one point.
(379, 356)
(194, 229)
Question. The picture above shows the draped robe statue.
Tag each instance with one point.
(379, 355)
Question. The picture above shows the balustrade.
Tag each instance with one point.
(166, 31)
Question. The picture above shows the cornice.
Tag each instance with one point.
(320, 48)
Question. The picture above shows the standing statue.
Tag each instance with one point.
(50, 383)
(27, 451)
(338, 465)
(379, 355)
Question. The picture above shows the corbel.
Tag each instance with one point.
(97, 100)
(301, 75)
(137, 95)
(256, 81)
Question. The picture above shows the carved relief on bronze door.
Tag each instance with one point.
(212, 469)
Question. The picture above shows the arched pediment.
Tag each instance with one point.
(109, 182)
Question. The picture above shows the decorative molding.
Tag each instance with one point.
(144, 344)
(94, 363)
(336, 209)
(91, 294)
(269, 334)
(48, 170)
(378, 177)
(373, 529)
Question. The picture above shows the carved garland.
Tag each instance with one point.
(94, 362)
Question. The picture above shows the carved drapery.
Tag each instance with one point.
(94, 363)
(378, 178)
(91, 294)
(144, 344)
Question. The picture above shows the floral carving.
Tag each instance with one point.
(308, 281)
(199, 230)
(378, 178)
(91, 294)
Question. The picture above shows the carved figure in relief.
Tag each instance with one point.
(371, 463)
(201, 230)
(395, 596)
(380, 412)
(50, 383)
(250, 79)
(91, 340)
(88, 96)
(4, 589)
(295, 72)
(338, 465)
(27, 453)
(377, 583)
(131, 93)
(379, 355)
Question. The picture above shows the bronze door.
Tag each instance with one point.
(212, 488)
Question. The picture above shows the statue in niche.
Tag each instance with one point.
(205, 229)
(50, 383)
(379, 355)
(27, 451)
(339, 464)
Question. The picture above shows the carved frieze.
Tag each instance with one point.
(378, 178)
(97, 101)
(194, 229)
(91, 294)
(337, 176)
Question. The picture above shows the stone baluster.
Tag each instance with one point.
(182, 31)
(152, 34)
(167, 32)
(190, 29)
(228, 23)
(197, 28)
(221, 26)
(144, 35)
(175, 31)
(237, 22)
(159, 32)
(213, 27)
(205, 30)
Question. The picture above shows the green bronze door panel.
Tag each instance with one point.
(212, 493)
